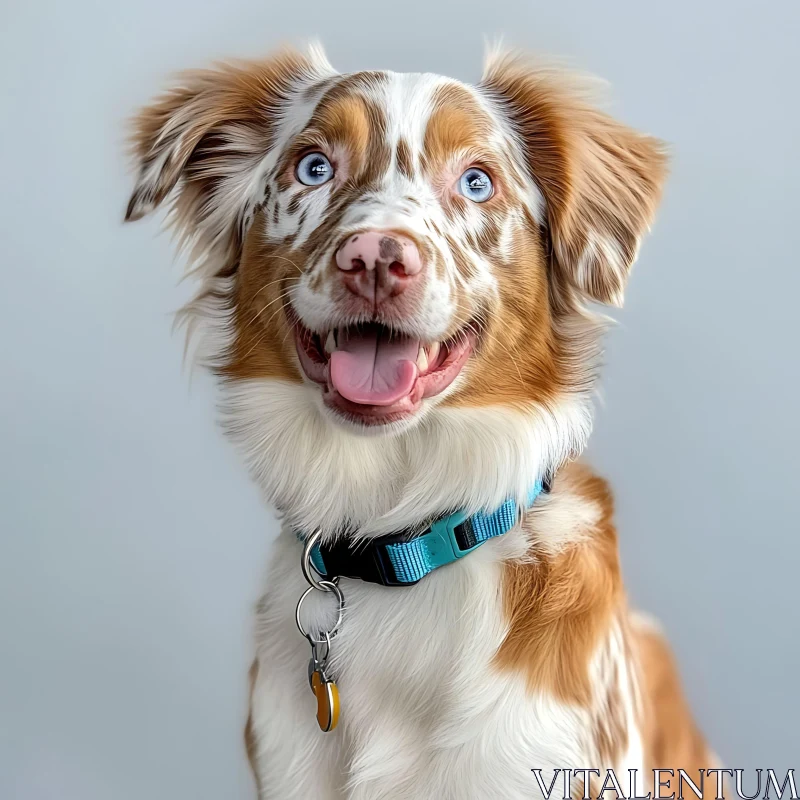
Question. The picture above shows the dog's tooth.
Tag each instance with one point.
(422, 360)
(330, 343)
(433, 351)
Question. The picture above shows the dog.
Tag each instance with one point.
(397, 280)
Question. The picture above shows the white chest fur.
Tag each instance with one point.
(425, 713)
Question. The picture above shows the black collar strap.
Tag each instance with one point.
(404, 558)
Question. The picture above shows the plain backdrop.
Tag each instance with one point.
(133, 545)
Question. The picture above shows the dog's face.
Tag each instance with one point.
(399, 245)
(400, 218)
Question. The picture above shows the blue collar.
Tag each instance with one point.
(404, 558)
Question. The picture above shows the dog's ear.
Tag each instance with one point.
(209, 128)
(601, 181)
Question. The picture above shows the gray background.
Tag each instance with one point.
(133, 544)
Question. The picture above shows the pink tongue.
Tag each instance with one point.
(370, 369)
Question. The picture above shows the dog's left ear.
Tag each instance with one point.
(199, 139)
(601, 181)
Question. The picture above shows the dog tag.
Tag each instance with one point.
(327, 694)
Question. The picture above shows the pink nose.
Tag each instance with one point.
(378, 265)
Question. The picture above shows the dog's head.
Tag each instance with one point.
(391, 249)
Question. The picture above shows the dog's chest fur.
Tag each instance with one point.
(427, 712)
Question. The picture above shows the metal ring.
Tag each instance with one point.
(330, 586)
(307, 565)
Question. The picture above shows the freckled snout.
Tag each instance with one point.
(378, 265)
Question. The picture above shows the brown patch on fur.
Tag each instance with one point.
(341, 121)
(263, 344)
(456, 125)
(379, 156)
(670, 736)
(405, 161)
(519, 359)
(600, 179)
(297, 198)
(568, 615)
(560, 605)
(250, 741)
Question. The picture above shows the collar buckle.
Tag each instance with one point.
(451, 531)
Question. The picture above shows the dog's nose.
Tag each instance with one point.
(378, 265)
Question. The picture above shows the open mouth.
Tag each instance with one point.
(375, 375)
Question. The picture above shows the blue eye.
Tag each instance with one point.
(476, 185)
(314, 170)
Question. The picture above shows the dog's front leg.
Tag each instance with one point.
(292, 759)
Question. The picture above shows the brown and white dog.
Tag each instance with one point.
(394, 276)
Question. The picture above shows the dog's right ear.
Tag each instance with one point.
(213, 124)
(601, 181)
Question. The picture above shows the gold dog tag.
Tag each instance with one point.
(327, 694)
